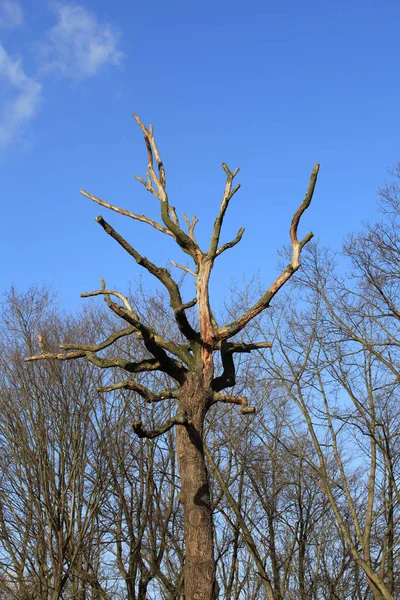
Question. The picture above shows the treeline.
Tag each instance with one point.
(305, 493)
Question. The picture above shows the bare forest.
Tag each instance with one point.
(154, 448)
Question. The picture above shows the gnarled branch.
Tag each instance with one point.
(142, 366)
(146, 365)
(154, 343)
(241, 400)
(227, 349)
(160, 273)
(137, 427)
(142, 390)
(142, 331)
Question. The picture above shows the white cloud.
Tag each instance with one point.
(10, 13)
(22, 98)
(78, 45)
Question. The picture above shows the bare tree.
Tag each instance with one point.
(141, 509)
(336, 358)
(53, 477)
(189, 363)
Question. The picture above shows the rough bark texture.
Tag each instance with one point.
(195, 497)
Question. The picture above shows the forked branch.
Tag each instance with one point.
(226, 197)
(239, 323)
(143, 366)
(190, 226)
(185, 241)
(160, 273)
(141, 330)
(157, 345)
(296, 245)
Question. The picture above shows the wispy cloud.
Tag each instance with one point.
(78, 46)
(22, 101)
(10, 13)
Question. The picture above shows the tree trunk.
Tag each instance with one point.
(199, 581)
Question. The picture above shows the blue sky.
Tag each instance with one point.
(271, 87)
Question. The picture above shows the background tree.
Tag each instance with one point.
(274, 526)
(189, 363)
(336, 357)
(87, 511)
(52, 448)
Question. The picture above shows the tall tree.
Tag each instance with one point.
(337, 360)
(52, 461)
(189, 363)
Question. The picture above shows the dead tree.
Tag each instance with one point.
(190, 365)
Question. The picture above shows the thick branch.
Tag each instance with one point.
(241, 400)
(237, 325)
(226, 399)
(189, 304)
(143, 366)
(228, 377)
(243, 347)
(126, 213)
(56, 356)
(149, 364)
(161, 274)
(137, 427)
(139, 328)
(143, 391)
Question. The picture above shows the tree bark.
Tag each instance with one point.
(200, 580)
